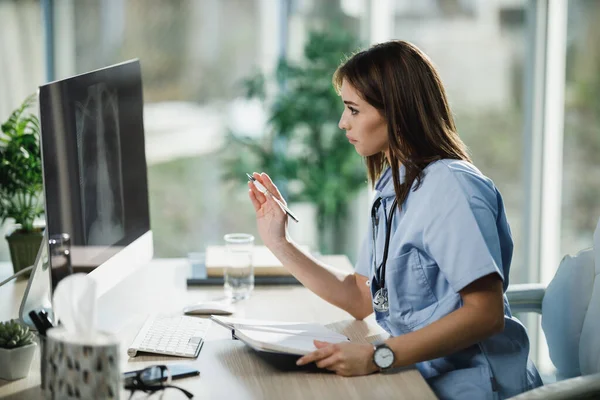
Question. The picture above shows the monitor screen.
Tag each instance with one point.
(94, 163)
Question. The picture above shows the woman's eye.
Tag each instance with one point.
(353, 111)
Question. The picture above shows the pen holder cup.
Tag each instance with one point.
(72, 369)
(42, 342)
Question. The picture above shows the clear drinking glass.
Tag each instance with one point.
(239, 271)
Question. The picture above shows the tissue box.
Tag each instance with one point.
(76, 369)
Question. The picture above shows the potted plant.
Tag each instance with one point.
(21, 183)
(16, 350)
(305, 152)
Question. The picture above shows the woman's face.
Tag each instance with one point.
(365, 127)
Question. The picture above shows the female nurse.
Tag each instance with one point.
(435, 261)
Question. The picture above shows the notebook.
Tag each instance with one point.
(265, 263)
(294, 338)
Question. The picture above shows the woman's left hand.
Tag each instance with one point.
(346, 359)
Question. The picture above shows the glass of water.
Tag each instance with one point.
(239, 271)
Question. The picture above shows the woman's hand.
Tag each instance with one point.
(270, 218)
(346, 359)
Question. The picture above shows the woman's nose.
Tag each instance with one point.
(342, 124)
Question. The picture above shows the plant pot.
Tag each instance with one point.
(24, 248)
(15, 363)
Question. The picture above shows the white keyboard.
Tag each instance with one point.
(180, 336)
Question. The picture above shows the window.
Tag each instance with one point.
(21, 63)
(480, 55)
(581, 147)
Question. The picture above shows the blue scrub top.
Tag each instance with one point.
(450, 232)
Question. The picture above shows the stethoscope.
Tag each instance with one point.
(380, 300)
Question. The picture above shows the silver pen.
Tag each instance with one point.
(265, 191)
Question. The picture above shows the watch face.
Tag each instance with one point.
(383, 357)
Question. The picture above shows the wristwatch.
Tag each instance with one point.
(383, 357)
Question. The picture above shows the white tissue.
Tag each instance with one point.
(74, 303)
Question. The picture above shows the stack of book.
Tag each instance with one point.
(267, 268)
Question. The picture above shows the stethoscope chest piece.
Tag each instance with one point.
(380, 301)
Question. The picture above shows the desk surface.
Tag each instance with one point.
(228, 369)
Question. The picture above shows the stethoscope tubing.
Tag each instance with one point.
(380, 272)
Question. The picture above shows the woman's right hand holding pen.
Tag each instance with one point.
(270, 218)
(328, 283)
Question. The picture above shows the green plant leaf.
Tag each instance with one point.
(21, 167)
(13, 334)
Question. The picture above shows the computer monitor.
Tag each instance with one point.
(95, 176)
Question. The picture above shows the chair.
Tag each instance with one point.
(570, 309)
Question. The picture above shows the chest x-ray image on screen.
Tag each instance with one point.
(100, 166)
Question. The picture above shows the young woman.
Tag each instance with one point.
(435, 262)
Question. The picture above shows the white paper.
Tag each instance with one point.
(285, 337)
(288, 342)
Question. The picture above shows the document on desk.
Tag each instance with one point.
(279, 337)
(263, 260)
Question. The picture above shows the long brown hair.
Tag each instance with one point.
(400, 81)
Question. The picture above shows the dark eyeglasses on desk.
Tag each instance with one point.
(152, 379)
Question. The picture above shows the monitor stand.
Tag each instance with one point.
(38, 293)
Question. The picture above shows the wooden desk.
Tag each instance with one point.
(228, 369)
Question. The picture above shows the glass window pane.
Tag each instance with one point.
(21, 66)
(581, 162)
(479, 49)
